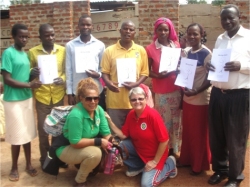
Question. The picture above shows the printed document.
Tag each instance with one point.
(84, 60)
(187, 71)
(219, 58)
(169, 59)
(48, 68)
(126, 70)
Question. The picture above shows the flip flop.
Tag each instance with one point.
(32, 172)
(13, 176)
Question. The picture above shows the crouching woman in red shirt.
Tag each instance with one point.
(146, 139)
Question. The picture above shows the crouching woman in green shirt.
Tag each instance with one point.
(83, 124)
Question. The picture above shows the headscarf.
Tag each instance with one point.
(172, 34)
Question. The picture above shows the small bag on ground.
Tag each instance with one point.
(52, 162)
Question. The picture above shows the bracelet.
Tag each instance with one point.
(154, 162)
(97, 141)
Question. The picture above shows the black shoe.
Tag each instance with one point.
(232, 183)
(216, 178)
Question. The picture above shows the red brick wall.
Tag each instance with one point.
(78, 9)
(150, 11)
(63, 16)
(32, 16)
(244, 6)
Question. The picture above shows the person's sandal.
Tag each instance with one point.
(32, 172)
(13, 176)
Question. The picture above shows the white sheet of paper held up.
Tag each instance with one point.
(169, 59)
(84, 60)
(48, 68)
(187, 71)
(219, 58)
(126, 70)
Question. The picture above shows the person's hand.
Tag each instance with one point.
(163, 74)
(35, 84)
(71, 100)
(190, 92)
(150, 165)
(232, 66)
(113, 86)
(58, 81)
(107, 115)
(106, 145)
(183, 53)
(129, 85)
(210, 67)
(35, 72)
(92, 73)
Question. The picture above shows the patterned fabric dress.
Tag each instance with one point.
(168, 106)
(167, 97)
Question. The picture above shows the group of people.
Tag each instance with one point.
(215, 121)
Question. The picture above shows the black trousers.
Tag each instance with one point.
(228, 131)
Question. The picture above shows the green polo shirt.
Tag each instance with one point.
(17, 64)
(79, 125)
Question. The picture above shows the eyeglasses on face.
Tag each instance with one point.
(90, 99)
(135, 99)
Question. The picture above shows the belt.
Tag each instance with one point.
(232, 91)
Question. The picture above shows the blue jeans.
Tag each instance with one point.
(150, 178)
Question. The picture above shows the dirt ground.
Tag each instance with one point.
(118, 179)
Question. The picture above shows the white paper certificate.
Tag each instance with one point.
(126, 70)
(169, 59)
(187, 72)
(84, 60)
(219, 58)
(48, 68)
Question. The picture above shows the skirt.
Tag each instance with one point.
(195, 150)
(168, 105)
(2, 121)
(19, 122)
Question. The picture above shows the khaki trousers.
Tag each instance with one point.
(88, 158)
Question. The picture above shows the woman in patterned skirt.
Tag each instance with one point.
(167, 95)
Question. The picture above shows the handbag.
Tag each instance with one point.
(55, 121)
(52, 162)
(112, 160)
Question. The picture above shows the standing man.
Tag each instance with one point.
(93, 50)
(117, 101)
(48, 95)
(229, 103)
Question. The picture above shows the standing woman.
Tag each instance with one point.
(167, 95)
(17, 100)
(195, 145)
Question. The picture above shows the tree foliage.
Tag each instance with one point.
(196, 2)
(218, 2)
(18, 2)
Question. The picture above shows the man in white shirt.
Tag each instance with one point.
(93, 50)
(229, 103)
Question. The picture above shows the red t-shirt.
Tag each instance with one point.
(146, 133)
(165, 85)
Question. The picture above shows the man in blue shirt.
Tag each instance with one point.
(84, 50)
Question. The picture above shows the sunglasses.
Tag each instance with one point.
(139, 99)
(90, 99)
